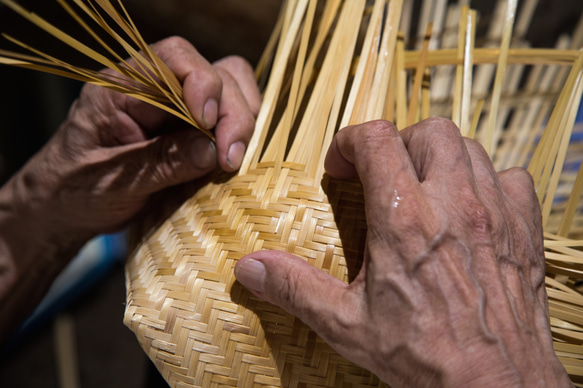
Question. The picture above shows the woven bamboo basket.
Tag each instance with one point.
(329, 64)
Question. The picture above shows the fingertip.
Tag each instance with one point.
(338, 166)
(251, 274)
(235, 155)
(210, 113)
(203, 153)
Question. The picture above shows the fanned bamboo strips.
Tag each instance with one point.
(57, 33)
(140, 79)
(420, 70)
(491, 131)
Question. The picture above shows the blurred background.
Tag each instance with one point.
(32, 105)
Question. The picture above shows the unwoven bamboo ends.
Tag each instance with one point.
(328, 64)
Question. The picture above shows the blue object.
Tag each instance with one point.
(89, 267)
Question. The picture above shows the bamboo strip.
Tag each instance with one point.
(457, 95)
(384, 65)
(273, 87)
(477, 112)
(364, 68)
(567, 122)
(401, 83)
(490, 134)
(419, 72)
(467, 72)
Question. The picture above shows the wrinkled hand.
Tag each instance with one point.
(114, 151)
(106, 160)
(451, 291)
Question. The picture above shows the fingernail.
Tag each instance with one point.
(251, 274)
(235, 155)
(210, 113)
(203, 153)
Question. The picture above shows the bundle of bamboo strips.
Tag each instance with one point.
(331, 63)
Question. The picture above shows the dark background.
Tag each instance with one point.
(32, 105)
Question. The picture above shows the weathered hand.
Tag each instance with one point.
(106, 160)
(451, 291)
(114, 151)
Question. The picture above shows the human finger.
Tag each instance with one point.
(202, 86)
(242, 73)
(329, 306)
(235, 124)
(166, 160)
(379, 157)
(437, 150)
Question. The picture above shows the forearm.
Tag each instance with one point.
(31, 256)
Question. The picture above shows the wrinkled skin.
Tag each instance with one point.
(451, 292)
(106, 160)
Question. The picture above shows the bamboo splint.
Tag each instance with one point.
(331, 63)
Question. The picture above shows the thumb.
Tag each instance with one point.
(320, 300)
(175, 158)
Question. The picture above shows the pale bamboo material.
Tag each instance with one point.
(331, 63)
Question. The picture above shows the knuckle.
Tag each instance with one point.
(288, 294)
(476, 215)
(236, 63)
(176, 42)
(247, 122)
(166, 167)
(475, 148)
(441, 126)
(373, 133)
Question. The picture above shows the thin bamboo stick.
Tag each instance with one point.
(467, 72)
(501, 66)
(457, 95)
(416, 90)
